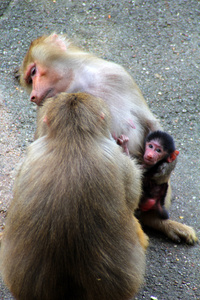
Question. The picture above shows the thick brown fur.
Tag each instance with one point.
(64, 67)
(70, 232)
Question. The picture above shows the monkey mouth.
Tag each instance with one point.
(148, 161)
(48, 94)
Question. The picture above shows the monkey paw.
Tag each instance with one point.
(123, 141)
(174, 230)
(180, 232)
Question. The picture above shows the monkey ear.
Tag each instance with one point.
(173, 156)
(45, 120)
(58, 41)
(102, 115)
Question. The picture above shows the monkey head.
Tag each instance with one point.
(159, 146)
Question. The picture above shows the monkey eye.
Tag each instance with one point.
(30, 74)
(33, 71)
(158, 150)
(150, 146)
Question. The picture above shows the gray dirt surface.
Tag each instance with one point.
(158, 43)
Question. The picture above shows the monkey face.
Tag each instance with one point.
(153, 153)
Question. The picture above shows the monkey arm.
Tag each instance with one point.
(164, 171)
(132, 179)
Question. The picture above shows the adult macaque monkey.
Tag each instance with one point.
(70, 231)
(53, 65)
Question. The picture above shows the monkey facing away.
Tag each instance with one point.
(53, 65)
(70, 231)
(159, 150)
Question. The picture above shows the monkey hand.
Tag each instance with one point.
(164, 171)
(123, 141)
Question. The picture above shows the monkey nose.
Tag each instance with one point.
(33, 97)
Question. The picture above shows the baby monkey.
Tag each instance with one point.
(159, 151)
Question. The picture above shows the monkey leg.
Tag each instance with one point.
(163, 213)
(152, 204)
(167, 200)
(174, 230)
(155, 198)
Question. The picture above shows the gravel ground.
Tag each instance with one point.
(158, 43)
